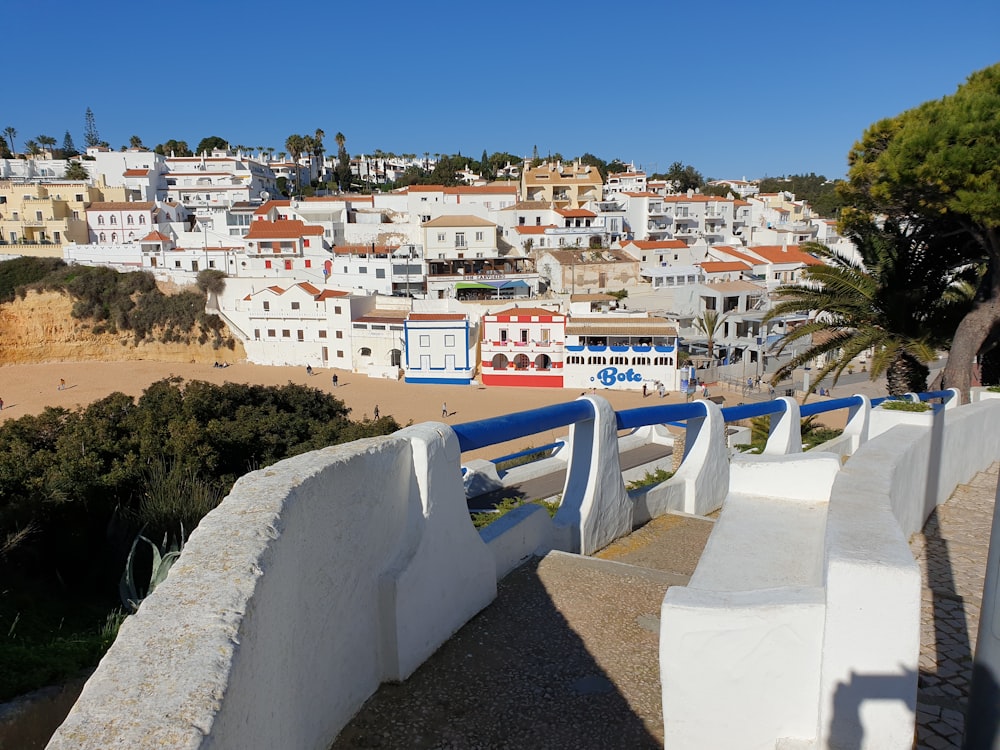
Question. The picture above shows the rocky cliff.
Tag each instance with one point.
(40, 328)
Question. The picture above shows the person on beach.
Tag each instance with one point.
(62, 384)
(335, 380)
(444, 409)
(376, 411)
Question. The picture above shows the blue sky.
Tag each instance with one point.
(736, 89)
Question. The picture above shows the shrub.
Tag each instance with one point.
(914, 406)
(656, 477)
(505, 506)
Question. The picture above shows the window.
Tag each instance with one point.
(379, 273)
(362, 269)
(76, 215)
(336, 310)
(521, 362)
(270, 333)
(177, 264)
(100, 220)
(130, 219)
(441, 237)
(459, 239)
(114, 220)
(38, 215)
(425, 340)
(267, 305)
(309, 263)
(503, 334)
(425, 217)
(300, 335)
(520, 221)
(267, 264)
(365, 351)
(524, 335)
(339, 334)
(78, 197)
(479, 236)
(211, 264)
(295, 305)
(56, 236)
(500, 362)
(142, 219)
(102, 237)
(256, 334)
(449, 340)
(322, 334)
(340, 354)
(377, 327)
(286, 333)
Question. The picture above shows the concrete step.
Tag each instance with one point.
(672, 543)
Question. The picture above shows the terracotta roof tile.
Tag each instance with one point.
(281, 229)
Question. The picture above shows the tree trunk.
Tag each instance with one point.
(976, 326)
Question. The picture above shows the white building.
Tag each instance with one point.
(440, 347)
(621, 351)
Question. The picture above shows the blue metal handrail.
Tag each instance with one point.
(629, 419)
(818, 407)
(748, 411)
(484, 432)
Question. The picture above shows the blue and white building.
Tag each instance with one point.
(620, 351)
(440, 347)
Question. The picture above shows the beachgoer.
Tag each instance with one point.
(376, 411)
(644, 390)
(770, 390)
(309, 369)
(335, 380)
(662, 389)
(62, 383)
(444, 409)
(1, 404)
(704, 392)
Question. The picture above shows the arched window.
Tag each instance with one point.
(619, 360)
(521, 362)
(640, 360)
(142, 219)
(129, 219)
(365, 351)
(103, 238)
(543, 362)
(596, 361)
(114, 220)
(114, 237)
(500, 362)
(574, 359)
(100, 220)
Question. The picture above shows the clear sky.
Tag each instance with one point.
(736, 89)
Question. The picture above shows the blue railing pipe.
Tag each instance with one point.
(748, 411)
(819, 407)
(629, 419)
(484, 432)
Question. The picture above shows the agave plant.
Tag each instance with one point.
(164, 558)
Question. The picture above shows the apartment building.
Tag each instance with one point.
(42, 217)
(523, 346)
(568, 184)
(440, 347)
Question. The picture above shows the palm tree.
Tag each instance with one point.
(897, 300)
(47, 143)
(10, 134)
(709, 323)
(32, 148)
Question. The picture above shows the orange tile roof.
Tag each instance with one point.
(328, 293)
(525, 312)
(266, 207)
(308, 287)
(340, 198)
(785, 254)
(717, 266)
(362, 250)
(155, 236)
(571, 213)
(281, 229)
(742, 256)
(122, 206)
(135, 172)
(533, 230)
(437, 316)
(657, 244)
(458, 221)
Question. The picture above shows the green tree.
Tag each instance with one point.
(32, 147)
(68, 147)
(5, 152)
(48, 143)
(899, 301)
(939, 164)
(135, 142)
(173, 147)
(593, 161)
(207, 145)
(10, 133)
(295, 145)
(683, 177)
(90, 135)
(709, 323)
(76, 171)
(343, 170)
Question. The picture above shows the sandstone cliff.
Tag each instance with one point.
(39, 328)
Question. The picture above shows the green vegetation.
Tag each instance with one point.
(813, 434)
(820, 192)
(20, 272)
(935, 169)
(123, 301)
(479, 520)
(897, 301)
(522, 460)
(649, 478)
(78, 486)
(914, 406)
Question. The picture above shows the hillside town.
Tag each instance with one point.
(548, 275)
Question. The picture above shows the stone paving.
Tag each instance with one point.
(951, 551)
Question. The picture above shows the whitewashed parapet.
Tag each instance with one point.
(315, 580)
(785, 435)
(595, 508)
(701, 482)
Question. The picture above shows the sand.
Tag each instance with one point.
(29, 388)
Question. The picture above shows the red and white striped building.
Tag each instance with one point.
(523, 346)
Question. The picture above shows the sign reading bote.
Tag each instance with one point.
(611, 375)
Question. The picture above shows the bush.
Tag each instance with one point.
(913, 406)
(480, 520)
(17, 274)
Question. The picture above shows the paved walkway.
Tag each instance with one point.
(952, 551)
(566, 657)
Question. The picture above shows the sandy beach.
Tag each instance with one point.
(29, 388)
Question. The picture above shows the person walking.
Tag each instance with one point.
(335, 380)
(644, 390)
(309, 369)
(1, 404)
(62, 383)
(444, 409)
(376, 411)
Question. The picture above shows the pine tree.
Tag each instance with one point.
(68, 147)
(90, 134)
